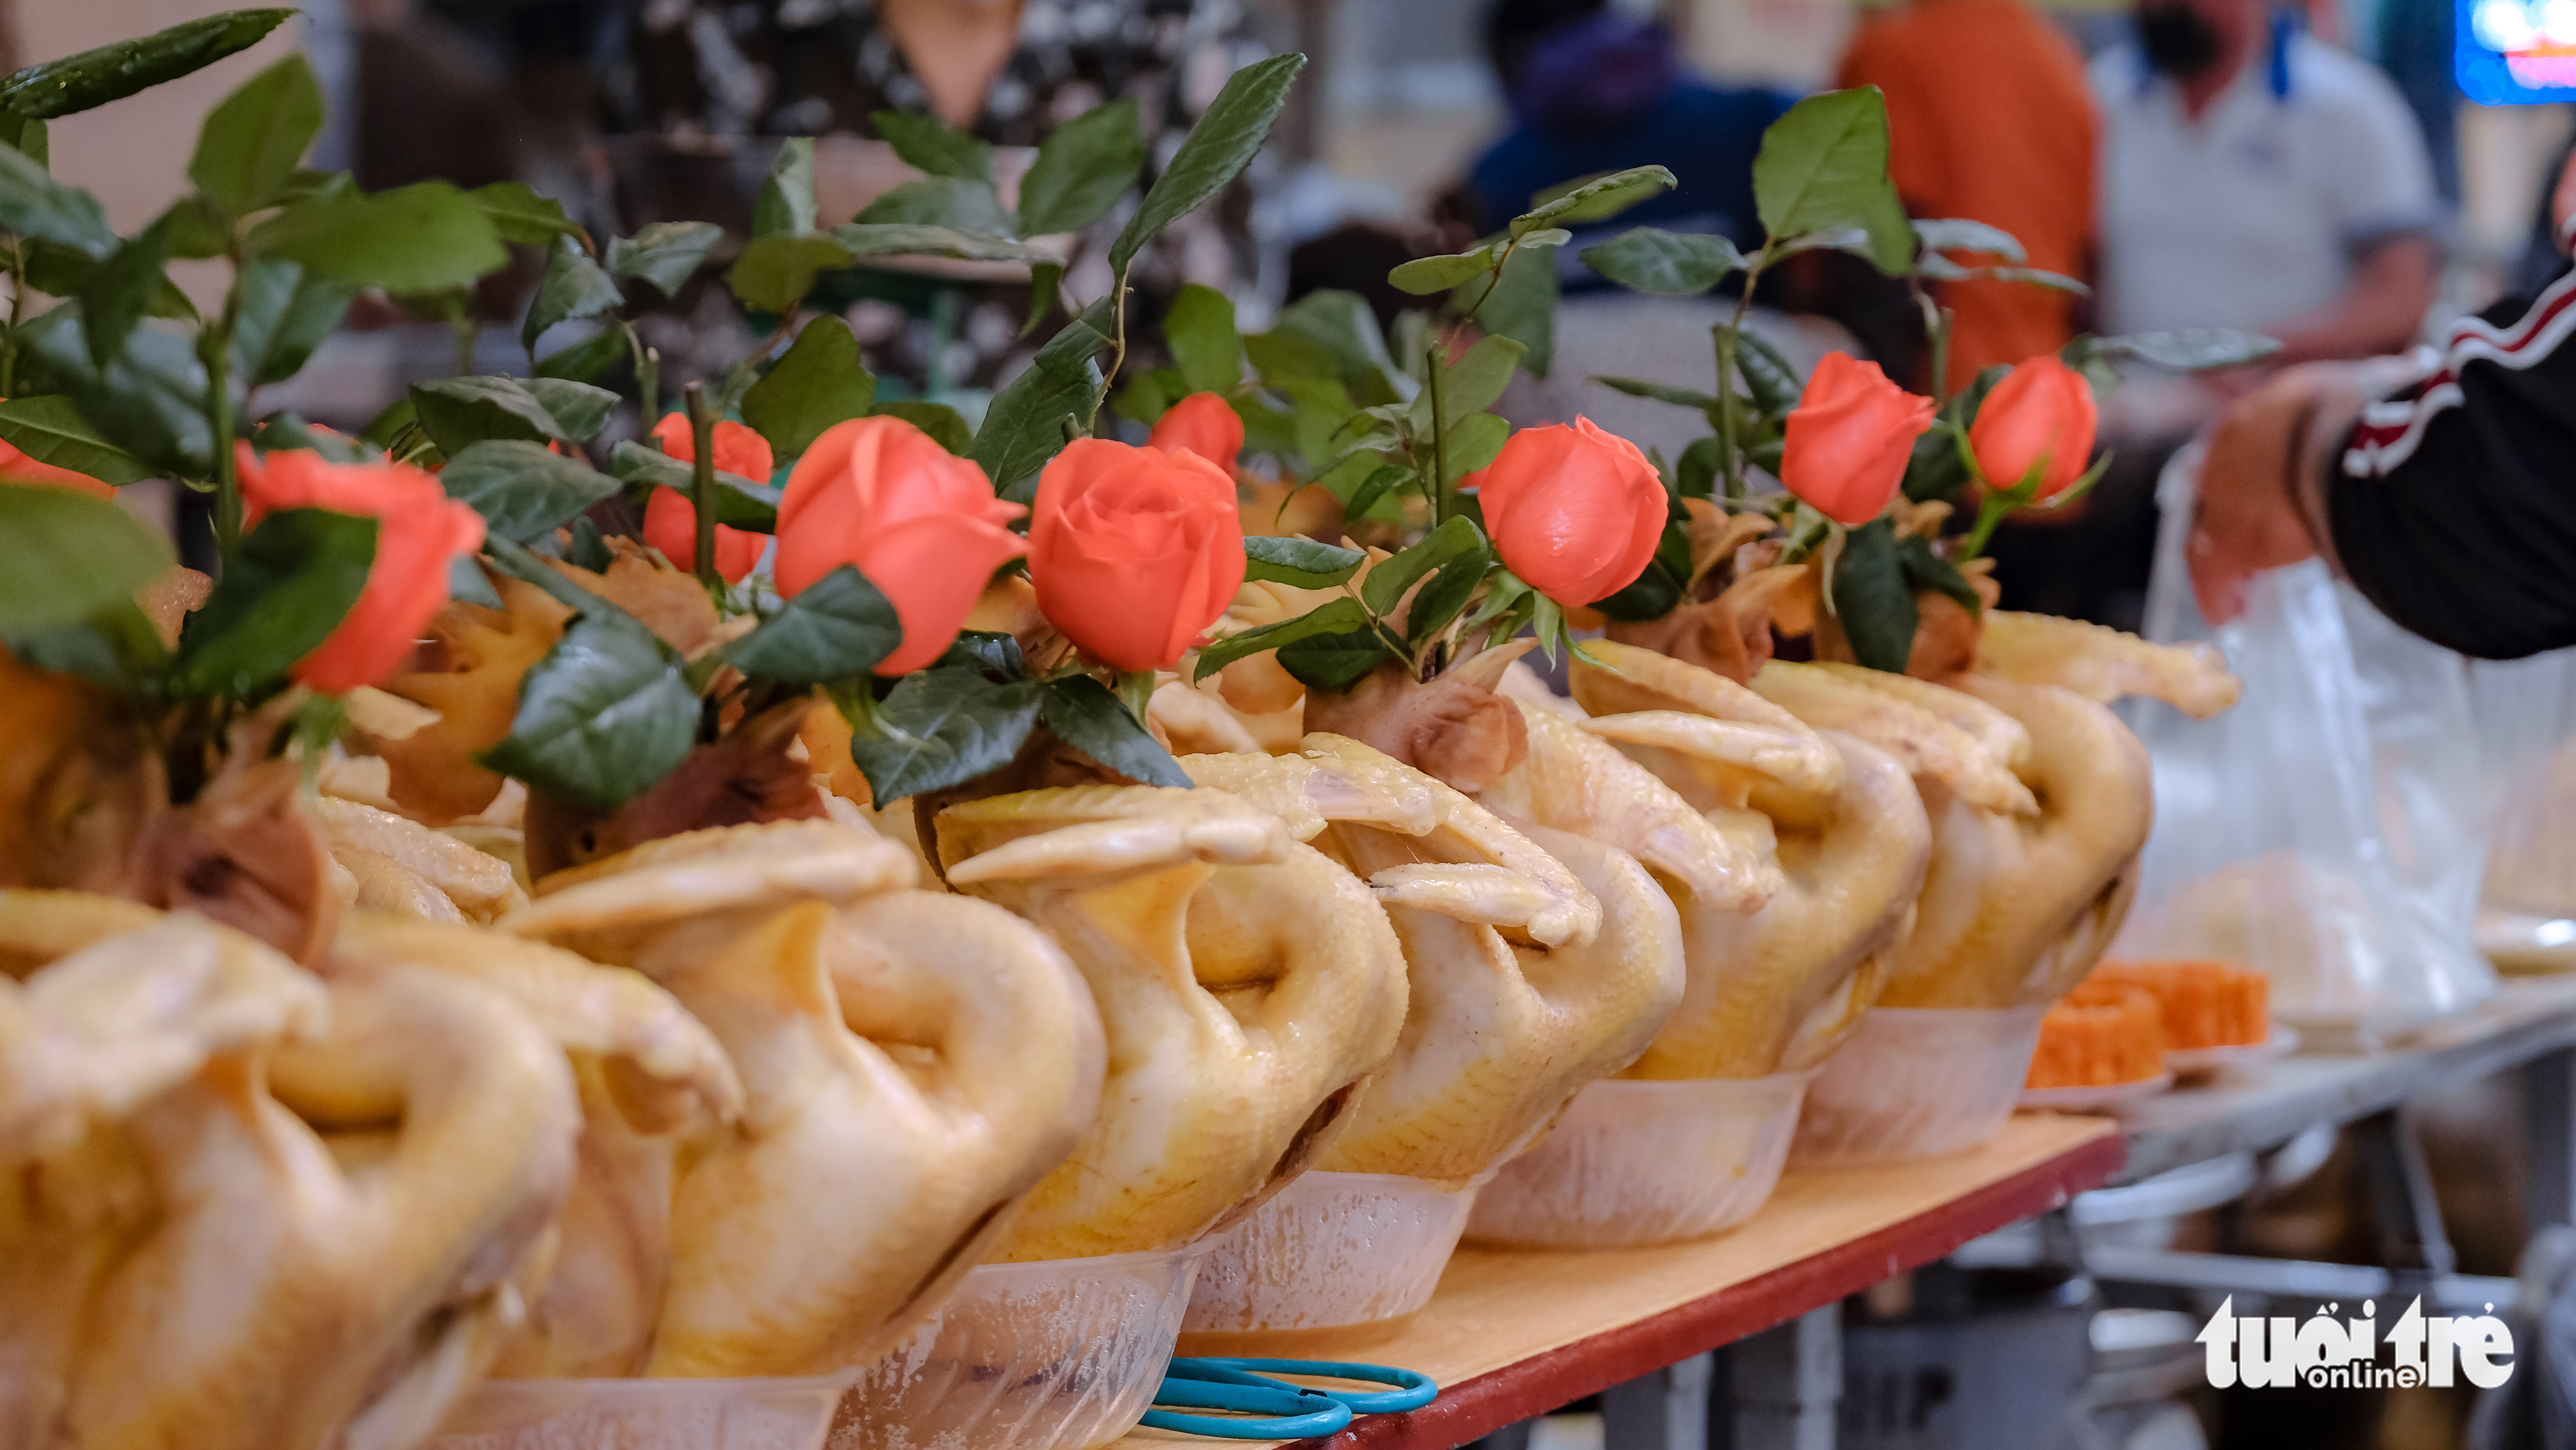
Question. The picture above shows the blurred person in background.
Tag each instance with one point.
(1989, 119)
(2252, 177)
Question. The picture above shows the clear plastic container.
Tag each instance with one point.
(1915, 1082)
(1646, 1162)
(1063, 1354)
(1328, 1250)
(639, 1414)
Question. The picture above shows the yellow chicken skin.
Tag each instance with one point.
(400, 866)
(2016, 909)
(1777, 988)
(2103, 664)
(317, 1238)
(911, 1063)
(1247, 985)
(650, 1078)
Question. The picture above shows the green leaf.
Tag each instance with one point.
(114, 647)
(1439, 601)
(579, 410)
(120, 290)
(740, 502)
(466, 584)
(1957, 234)
(1024, 427)
(587, 361)
(1082, 168)
(35, 206)
(1302, 562)
(459, 412)
(942, 727)
(50, 430)
(151, 399)
(1476, 381)
(2189, 349)
(1223, 142)
(280, 432)
(1387, 582)
(281, 595)
(1872, 599)
(1767, 375)
(573, 287)
(1148, 394)
(775, 271)
(1675, 264)
(1522, 307)
(1661, 393)
(1426, 276)
(253, 139)
(665, 254)
(1823, 166)
(1926, 569)
(910, 239)
(1086, 715)
(283, 315)
(1941, 269)
(818, 383)
(1594, 200)
(196, 230)
(994, 654)
(1695, 472)
(27, 136)
(65, 556)
(602, 718)
(1473, 443)
(1332, 615)
(1330, 334)
(523, 491)
(519, 214)
(945, 425)
(1200, 332)
(939, 201)
(1547, 237)
(113, 72)
(838, 629)
(927, 143)
(1334, 661)
(1046, 286)
(786, 203)
(1651, 595)
(1380, 481)
(415, 239)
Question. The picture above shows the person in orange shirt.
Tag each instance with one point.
(1989, 120)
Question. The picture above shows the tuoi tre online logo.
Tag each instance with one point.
(2327, 1353)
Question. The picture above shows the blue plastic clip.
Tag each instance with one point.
(1270, 1409)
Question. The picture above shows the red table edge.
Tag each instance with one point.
(1545, 1381)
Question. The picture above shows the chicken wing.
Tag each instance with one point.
(2103, 664)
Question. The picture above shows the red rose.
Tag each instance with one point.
(671, 521)
(2042, 414)
(1849, 439)
(919, 521)
(1204, 424)
(1134, 551)
(1575, 512)
(419, 530)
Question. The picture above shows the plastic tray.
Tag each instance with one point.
(1063, 1354)
(639, 1414)
(1330, 1249)
(1914, 1082)
(2095, 1097)
(2190, 1063)
(1646, 1162)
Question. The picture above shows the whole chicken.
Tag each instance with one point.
(401, 866)
(314, 1238)
(1247, 985)
(1541, 961)
(651, 1080)
(911, 1063)
(1836, 826)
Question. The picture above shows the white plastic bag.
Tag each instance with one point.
(2329, 830)
(2526, 713)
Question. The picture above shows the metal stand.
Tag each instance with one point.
(1787, 1384)
(1666, 1410)
(2549, 1136)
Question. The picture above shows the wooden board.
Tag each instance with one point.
(1515, 1333)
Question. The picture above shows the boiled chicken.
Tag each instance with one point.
(1937, 733)
(1537, 960)
(400, 866)
(652, 1080)
(2103, 665)
(299, 1243)
(1836, 826)
(911, 1063)
(1247, 985)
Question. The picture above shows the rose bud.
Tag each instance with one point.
(1134, 551)
(2041, 415)
(419, 530)
(1849, 439)
(919, 521)
(671, 520)
(1204, 424)
(1574, 511)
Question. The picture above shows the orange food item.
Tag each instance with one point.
(2100, 1036)
(2205, 1004)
